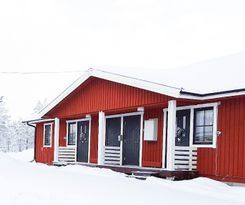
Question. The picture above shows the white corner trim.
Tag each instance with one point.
(56, 138)
(164, 138)
(51, 136)
(171, 134)
(141, 138)
(101, 138)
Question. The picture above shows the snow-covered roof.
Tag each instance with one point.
(215, 78)
(216, 75)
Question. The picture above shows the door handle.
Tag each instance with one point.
(120, 137)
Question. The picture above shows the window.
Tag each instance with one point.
(203, 126)
(72, 131)
(48, 135)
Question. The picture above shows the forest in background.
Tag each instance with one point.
(16, 136)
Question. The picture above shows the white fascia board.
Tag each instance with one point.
(65, 93)
(146, 85)
(130, 81)
(210, 97)
(138, 83)
(38, 121)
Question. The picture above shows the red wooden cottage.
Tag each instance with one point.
(130, 124)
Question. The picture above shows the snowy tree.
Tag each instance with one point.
(14, 135)
(40, 105)
(22, 136)
(4, 127)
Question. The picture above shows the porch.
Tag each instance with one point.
(185, 163)
(121, 137)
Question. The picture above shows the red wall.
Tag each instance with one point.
(97, 94)
(94, 139)
(62, 133)
(43, 154)
(227, 161)
(152, 151)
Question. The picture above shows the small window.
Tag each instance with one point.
(203, 126)
(47, 135)
(72, 131)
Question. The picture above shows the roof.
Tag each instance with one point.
(215, 75)
(216, 78)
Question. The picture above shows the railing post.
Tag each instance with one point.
(56, 138)
(101, 138)
(171, 132)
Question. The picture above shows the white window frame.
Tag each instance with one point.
(192, 108)
(75, 145)
(215, 125)
(67, 133)
(51, 136)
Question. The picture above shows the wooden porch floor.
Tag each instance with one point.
(140, 171)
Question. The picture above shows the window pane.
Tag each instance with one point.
(199, 118)
(203, 126)
(47, 135)
(199, 134)
(209, 117)
(208, 130)
(71, 133)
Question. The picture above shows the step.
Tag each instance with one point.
(144, 173)
(137, 177)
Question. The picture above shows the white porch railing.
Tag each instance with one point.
(67, 154)
(112, 155)
(185, 158)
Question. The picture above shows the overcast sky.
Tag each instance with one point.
(71, 35)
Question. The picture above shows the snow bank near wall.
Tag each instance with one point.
(25, 183)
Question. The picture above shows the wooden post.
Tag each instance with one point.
(171, 134)
(101, 138)
(56, 138)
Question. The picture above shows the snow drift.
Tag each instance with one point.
(25, 183)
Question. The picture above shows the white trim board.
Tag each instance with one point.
(135, 82)
(138, 83)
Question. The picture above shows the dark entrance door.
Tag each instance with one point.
(131, 140)
(183, 128)
(82, 141)
(113, 130)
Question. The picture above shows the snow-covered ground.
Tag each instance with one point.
(26, 155)
(24, 183)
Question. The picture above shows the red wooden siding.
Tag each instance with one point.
(94, 139)
(98, 94)
(43, 154)
(227, 161)
(62, 133)
(152, 151)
